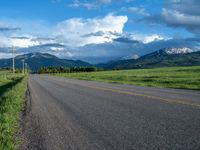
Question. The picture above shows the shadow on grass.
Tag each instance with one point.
(6, 87)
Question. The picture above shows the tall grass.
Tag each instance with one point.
(172, 77)
(12, 93)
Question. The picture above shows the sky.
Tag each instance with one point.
(98, 30)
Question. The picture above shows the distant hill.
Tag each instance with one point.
(160, 58)
(37, 60)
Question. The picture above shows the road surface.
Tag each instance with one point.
(73, 114)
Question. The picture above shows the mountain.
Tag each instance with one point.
(37, 60)
(183, 50)
(160, 58)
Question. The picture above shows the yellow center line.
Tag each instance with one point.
(173, 92)
(143, 95)
(176, 101)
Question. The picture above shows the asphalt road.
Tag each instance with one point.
(86, 115)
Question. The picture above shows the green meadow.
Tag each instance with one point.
(12, 94)
(172, 77)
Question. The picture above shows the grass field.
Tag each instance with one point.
(173, 77)
(12, 92)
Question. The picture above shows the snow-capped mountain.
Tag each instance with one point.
(183, 50)
(160, 58)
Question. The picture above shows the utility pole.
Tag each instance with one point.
(13, 54)
(26, 68)
(23, 66)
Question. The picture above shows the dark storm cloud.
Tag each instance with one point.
(125, 40)
(120, 47)
(5, 29)
(20, 37)
(99, 33)
(95, 53)
(189, 7)
(178, 13)
(52, 45)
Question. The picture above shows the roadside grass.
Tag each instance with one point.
(12, 94)
(171, 77)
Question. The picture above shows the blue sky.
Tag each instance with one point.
(97, 30)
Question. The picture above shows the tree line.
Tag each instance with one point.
(66, 70)
(17, 70)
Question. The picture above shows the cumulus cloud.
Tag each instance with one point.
(142, 38)
(152, 38)
(68, 37)
(21, 41)
(79, 32)
(96, 39)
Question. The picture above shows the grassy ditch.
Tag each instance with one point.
(12, 94)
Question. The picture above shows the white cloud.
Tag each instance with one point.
(143, 38)
(17, 42)
(4, 42)
(56, 49)
(72, 32)
(77, 4)
(23, 43)
(95, 39)
(152, 38)
(136, 10)
(5, 55)
(89, 5)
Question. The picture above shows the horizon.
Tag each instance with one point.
(169, 51)
(99, 74)
(99, 30)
